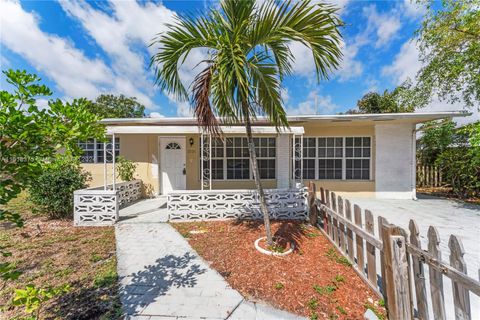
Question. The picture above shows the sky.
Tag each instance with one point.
(86, 48)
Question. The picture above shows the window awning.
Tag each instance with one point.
(197, 130)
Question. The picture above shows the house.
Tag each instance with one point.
(366, 154)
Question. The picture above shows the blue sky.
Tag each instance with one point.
(82, 49)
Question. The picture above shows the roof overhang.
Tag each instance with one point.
(156, 129)
(414, 118)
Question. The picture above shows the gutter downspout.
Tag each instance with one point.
(414, 163)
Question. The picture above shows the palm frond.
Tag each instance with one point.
(203, 110)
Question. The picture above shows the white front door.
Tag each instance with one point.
(172, 162)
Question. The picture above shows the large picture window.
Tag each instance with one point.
(231, 159)
(93, 150)
(336, 158)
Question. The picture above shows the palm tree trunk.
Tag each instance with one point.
(258, 183)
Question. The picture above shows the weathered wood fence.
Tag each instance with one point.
(392, 261)
(429, 176)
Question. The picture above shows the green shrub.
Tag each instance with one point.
(53, 190)
(461, 169)
(126, 169)
(460, 163)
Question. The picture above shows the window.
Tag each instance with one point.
(265, 150)
(93, 150)
(357, 152)
(337, 158)
(231, 159)
(330, 153)
(173, 146)
(309, 158)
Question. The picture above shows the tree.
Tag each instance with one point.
(436, 138)
(449, 39)
(460, 162)
(387, 102)
(110, 106)
(30, 136)
(248, 57)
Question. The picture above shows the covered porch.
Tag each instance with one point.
(176, 158)
(192, 175)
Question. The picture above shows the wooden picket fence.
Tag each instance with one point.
(389, 260)
(429, 176)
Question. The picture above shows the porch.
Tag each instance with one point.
(196, 176)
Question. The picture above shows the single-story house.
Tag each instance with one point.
(367, 154)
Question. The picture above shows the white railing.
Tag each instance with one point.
(236, 204)
(98, 207)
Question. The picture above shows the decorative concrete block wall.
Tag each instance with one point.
(243, 204)
(99, 207)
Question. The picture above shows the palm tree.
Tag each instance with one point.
(248, 57)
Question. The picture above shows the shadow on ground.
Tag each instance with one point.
(142, 288)
(86, 302)
(293, 231)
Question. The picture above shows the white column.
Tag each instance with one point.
(113, 161)
(283, 161)
(301, 159)
(210, 161)
(105, 166)
(292, 177)
(201, 160)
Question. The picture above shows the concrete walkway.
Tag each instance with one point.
(162, 277)
(449, 217)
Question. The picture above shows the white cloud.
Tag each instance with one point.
(155, 115)
(284, 93)
(350, 67)
(406, 63)
(314, 104)
(413, 9)
(125, 36)
(73, 72)
(385, 26)
(341, 4)
(184, 109)
(303, 64)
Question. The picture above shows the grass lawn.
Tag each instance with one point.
(54, 253)
(314, 281)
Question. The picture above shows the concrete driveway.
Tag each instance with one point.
(449, 217)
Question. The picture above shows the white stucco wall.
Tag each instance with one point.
(283, 161)
(394, 167)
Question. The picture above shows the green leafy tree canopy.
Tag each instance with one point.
(387, 102)
(111, 106)
(449, 40)
(31, 136)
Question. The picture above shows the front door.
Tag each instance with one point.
(172, 152)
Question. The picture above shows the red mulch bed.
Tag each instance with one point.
(285, 282)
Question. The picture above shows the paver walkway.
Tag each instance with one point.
(162, 277)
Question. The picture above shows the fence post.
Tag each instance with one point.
(418, 273)
(312, 207)
(461, 297)
(436, 281)
(396, 273)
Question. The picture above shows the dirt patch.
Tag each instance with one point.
(312, 281)
(445, 192)
(52, 253)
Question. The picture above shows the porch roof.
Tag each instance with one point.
(414, 118)
(171, 129)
